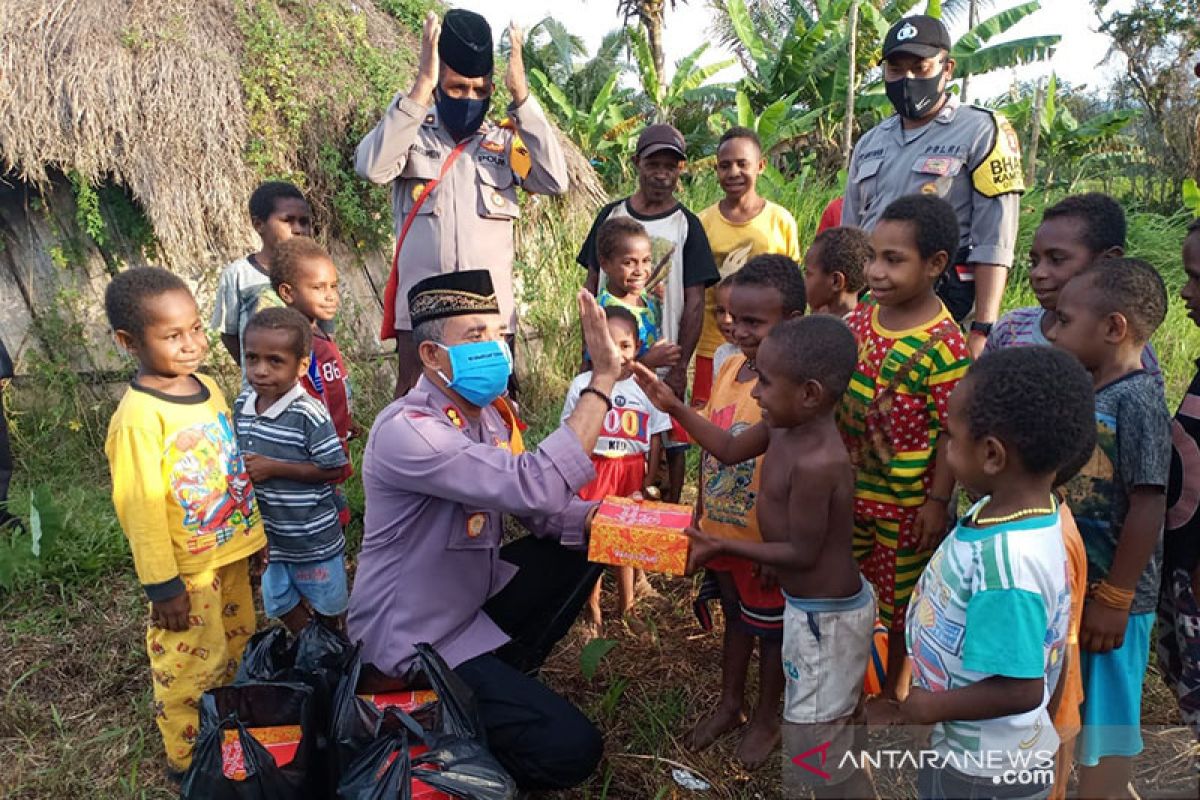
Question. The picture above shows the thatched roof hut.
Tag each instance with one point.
(185, 107)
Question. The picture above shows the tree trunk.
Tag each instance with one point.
(972, 21)
(652, 21)
(1035, 123)
(848, 122)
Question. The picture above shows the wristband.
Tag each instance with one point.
(1106, 594)
(590, 390)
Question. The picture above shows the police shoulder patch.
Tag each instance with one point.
(1000, 171)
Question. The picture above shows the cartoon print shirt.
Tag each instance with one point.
(1133, 448)
(993, 601)
(730, 491)
(631, 423)
(648, 316)
(180, 486)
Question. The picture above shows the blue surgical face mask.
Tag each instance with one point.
(481, 370)
(461, 116)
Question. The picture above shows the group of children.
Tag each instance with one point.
(835, 450)
(209, 497)
(833, 447)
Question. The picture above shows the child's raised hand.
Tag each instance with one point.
(659, 393)
(171, 614)
(704, 548)
(662, 354)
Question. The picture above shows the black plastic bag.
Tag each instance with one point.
(382, 771)
(317, 657)
(206, 778)
(254, 705)
(457, 762)
(269, 655)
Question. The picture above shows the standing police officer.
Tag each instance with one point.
(965, 154)
(437, 136)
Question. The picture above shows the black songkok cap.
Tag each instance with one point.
(466, 43)
(452, 294)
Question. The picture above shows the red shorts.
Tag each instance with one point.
(703, 381)
(618, 477)
(760, 610)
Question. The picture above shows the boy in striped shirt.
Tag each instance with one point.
(293, 455)
(1075, 233)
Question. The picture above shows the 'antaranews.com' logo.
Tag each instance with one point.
(1010, 769)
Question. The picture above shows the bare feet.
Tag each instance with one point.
(591, 629)
(714, 726)
(758, 742)
(643, 590)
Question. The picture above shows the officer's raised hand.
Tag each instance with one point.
(514, 78)
(427, 69)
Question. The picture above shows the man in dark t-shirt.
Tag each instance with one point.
(677, 236)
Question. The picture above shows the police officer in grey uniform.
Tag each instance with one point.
(934, 144)
(454, 175)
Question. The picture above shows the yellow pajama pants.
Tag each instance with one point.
(183, 664)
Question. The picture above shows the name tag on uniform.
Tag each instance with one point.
(937, 165)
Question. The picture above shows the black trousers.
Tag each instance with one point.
(543, 740)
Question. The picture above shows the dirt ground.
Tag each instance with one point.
(75, 714)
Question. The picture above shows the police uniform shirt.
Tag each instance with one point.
(967, 155)
(467, 221)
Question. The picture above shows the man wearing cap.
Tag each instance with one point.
(454, 174)
(677, 241)
(442, 467)
(934, 144)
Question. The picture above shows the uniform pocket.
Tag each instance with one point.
(937, 173)
(475, 529)
(497, 192)
(418, 171)
(865, 181)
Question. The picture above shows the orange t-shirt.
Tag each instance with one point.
(1066, 719)
(730, 491)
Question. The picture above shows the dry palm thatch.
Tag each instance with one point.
(156, 96)
(145, 93)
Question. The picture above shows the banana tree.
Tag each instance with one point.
(811, 59)
(1070, 151)
(687, 84)
(602, 130)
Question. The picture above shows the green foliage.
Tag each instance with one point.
(1070, 151)
(87, 209)
(314, 86)
(592, 654)
(410, 12)
(1191, 196)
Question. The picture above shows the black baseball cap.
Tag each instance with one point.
(657, 138)
(919, 35)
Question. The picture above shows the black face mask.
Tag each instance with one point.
(914, 97)
(461, 116)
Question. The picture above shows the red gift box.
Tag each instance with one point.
(642, 534)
